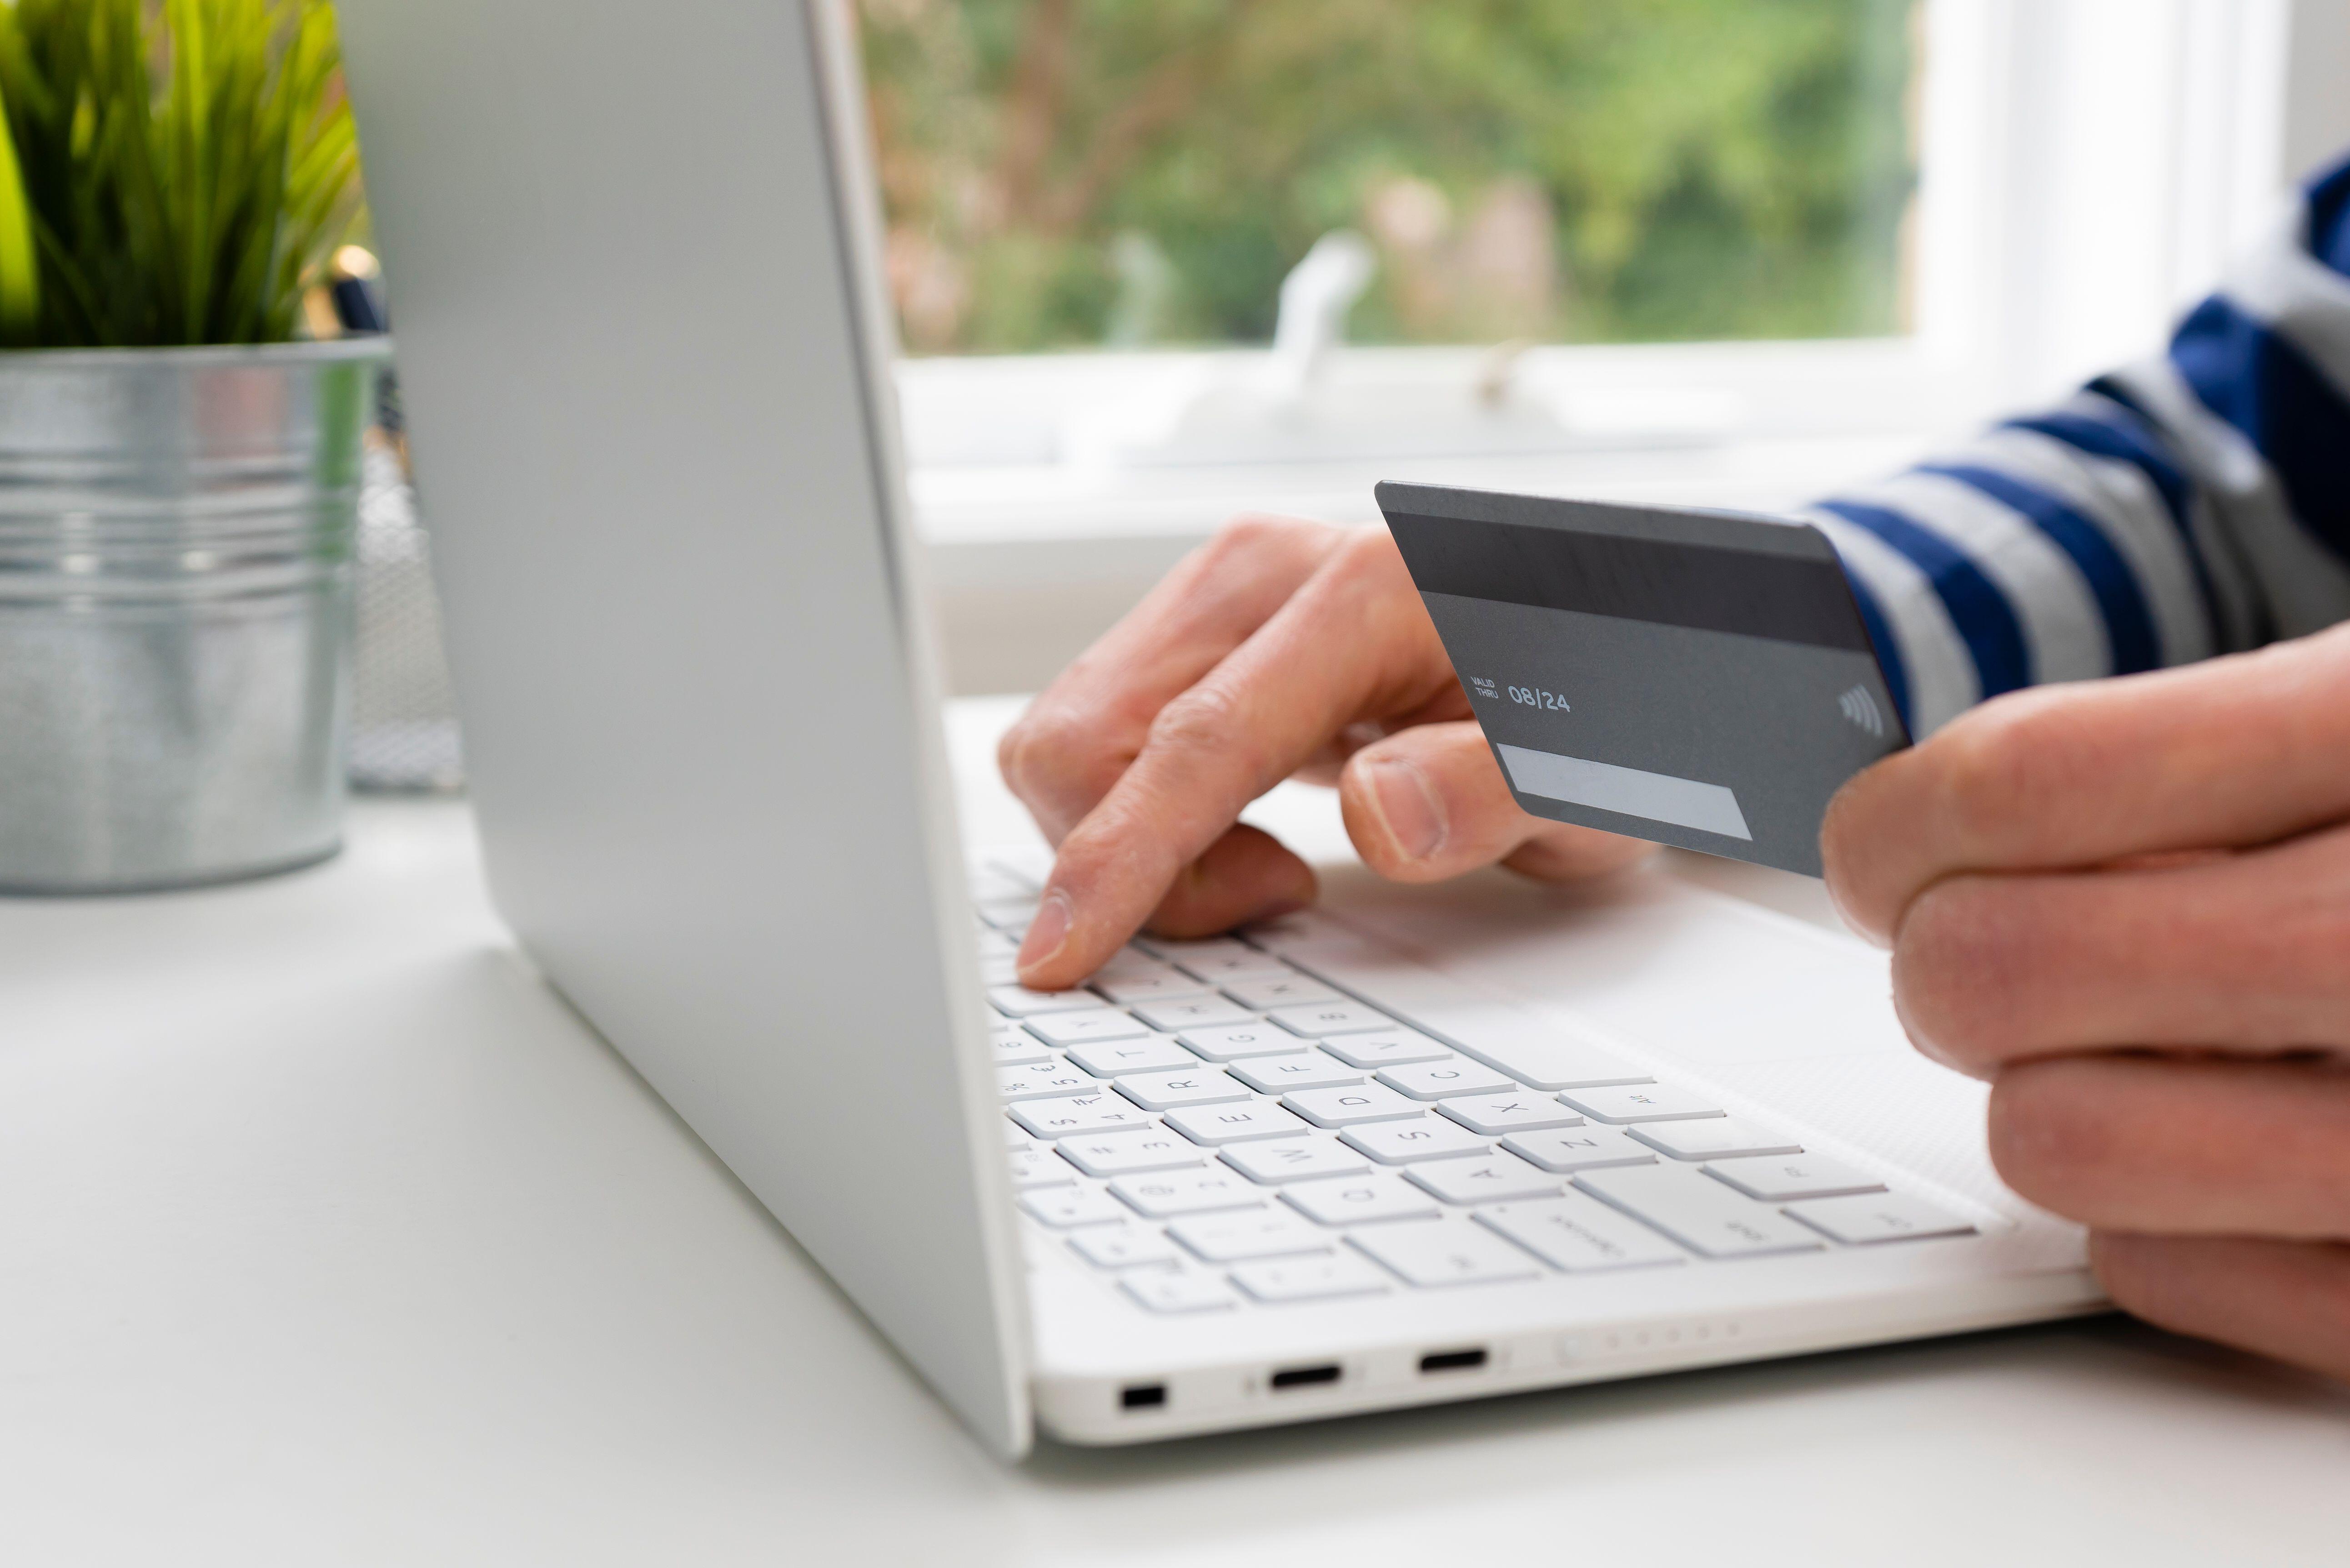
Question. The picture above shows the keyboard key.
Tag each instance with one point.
(1278, 933)
(1265, 992)
(1191, 1013)
(1224, 969)
(1233, 1042)
(1442, 1080)
(1715, 1137)
(1443, 1254)
(1698, 1211)
(1874, 1217)
(1015, 1136)
(1578, 1149)
(994, 944)
(1345, 1105)
(1359, 1199)
(1041, 1168)
(1305, 1070)
(1013, 1046)
(1163, 1290)
(998, 968)
(1283, 931)
(1217, 959)
(1131, 963)
(1195, 1086)
(1331, 1017)
(1081, 1025)
(1050, 1079)
(1774, 1179)
(1064, 1207)
(1578, 1234)
(1150, 1053)
(1310, 1279)
(1078, 1115)
(1144, 1149)
(1236, 1238)
(1022, 1002)
(1123, 1247)
(1127, 990)
(1387, 1047)
(1293, 1159)
(1169, 949)
(1166, 1193)
(993, 884)
(1539, 1055)
(1035, 1245)
(1010, 916)
(1483, 1178)
(1027, 863)
(1225, 1124)
(1640, 1103)
(1421, 1138)
(1520, 1112)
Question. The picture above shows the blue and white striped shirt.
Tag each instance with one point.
(2195, 504)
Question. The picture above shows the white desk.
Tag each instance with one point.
(328, 1235)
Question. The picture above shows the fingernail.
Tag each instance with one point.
(1047, 931)
(1409, 807)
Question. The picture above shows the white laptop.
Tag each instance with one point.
(1354, 1160)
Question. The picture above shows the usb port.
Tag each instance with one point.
(1305, 1376)
(1142, 1397)
(1452, 1360)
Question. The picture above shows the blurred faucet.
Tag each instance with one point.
(1315, 299)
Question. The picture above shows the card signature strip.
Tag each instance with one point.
(1604, 787)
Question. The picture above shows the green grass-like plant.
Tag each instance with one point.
(174, 171)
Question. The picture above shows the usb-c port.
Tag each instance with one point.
(1452, 1360)
(1307, 1377)
(1142, 1397)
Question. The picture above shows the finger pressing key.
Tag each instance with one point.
(1081, 732)
(1269, 706)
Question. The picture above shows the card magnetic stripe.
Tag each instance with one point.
(1788, 598)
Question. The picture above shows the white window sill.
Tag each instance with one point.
(1028, 564)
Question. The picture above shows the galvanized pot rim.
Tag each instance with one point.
(337, 350)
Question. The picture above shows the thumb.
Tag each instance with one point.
(1429, 801)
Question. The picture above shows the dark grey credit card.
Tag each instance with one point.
(1702, 679)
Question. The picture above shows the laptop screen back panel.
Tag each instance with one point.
(638, 342)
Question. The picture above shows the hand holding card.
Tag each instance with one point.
(1280, 649)
(1699, 679)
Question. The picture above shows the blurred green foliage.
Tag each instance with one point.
(1068, 173)
(174, 171)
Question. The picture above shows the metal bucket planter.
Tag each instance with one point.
(176, 544)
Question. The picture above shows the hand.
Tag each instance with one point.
(2126, 904)
(1280, 647)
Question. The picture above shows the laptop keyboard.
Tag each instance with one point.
(1213, 1128)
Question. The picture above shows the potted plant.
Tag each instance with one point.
(178, 474)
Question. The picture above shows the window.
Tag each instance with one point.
(1717, 252)
(1089, 174)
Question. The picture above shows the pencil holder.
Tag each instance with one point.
(176, 544)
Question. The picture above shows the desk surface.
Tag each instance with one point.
(329, 1235)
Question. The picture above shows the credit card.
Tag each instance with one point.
(1700, 679)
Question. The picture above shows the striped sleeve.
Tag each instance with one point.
(2198, 503)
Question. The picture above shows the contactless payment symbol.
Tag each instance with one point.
(1860, 710)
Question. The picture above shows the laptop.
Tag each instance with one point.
(1326, 1166)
